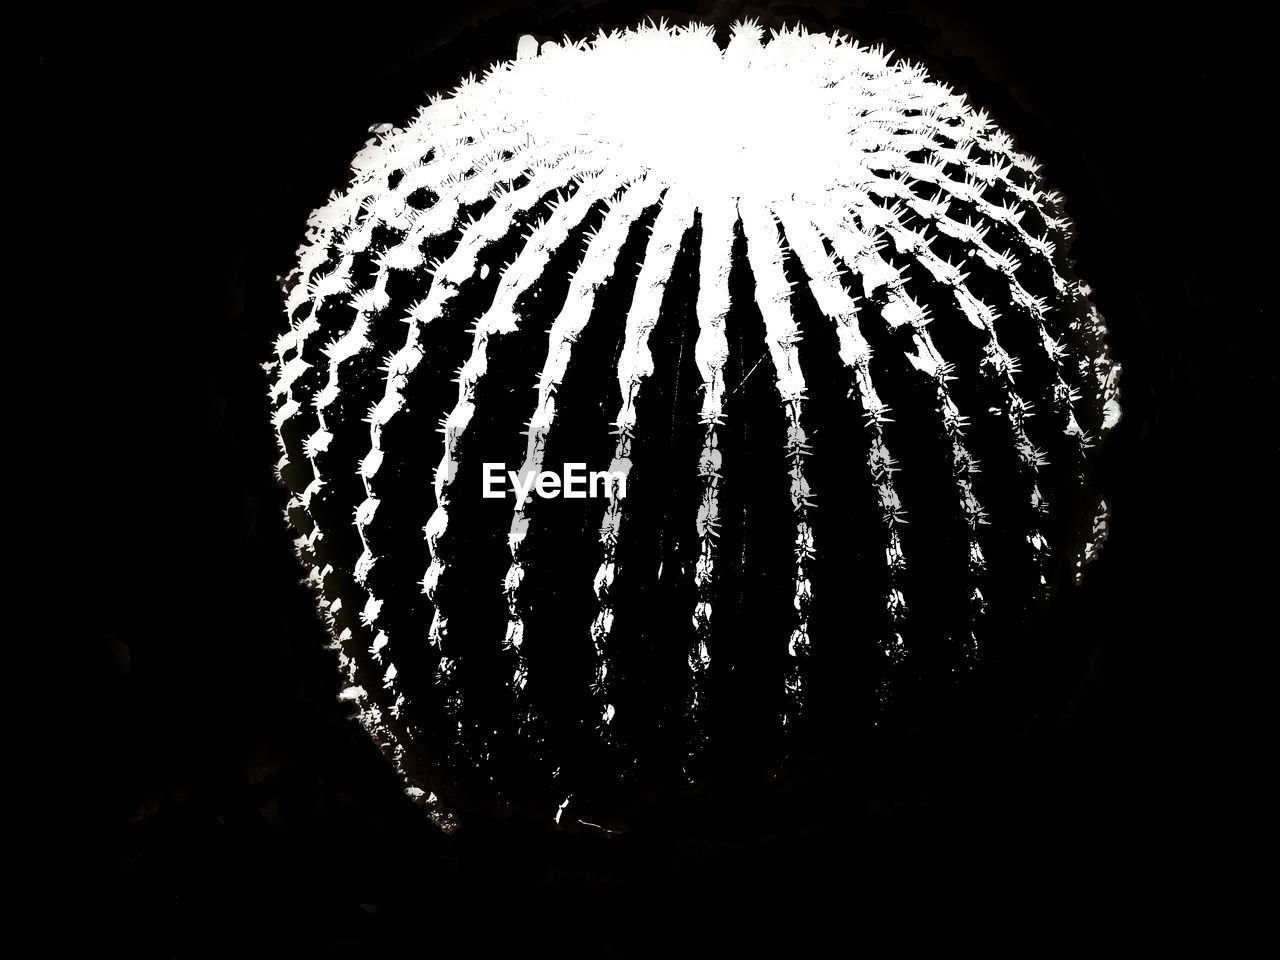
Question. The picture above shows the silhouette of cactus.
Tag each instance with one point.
(630, 228)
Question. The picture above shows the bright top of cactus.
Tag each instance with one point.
(784, 204)
(753, 121)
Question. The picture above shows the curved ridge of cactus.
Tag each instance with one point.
(811, 314)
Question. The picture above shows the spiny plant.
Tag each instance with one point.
(788, 294)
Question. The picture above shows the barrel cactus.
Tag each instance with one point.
(803, 320)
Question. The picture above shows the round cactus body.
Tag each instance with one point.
(645, 401)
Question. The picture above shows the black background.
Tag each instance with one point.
(220, 800)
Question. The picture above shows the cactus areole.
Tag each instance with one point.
(651, 407)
